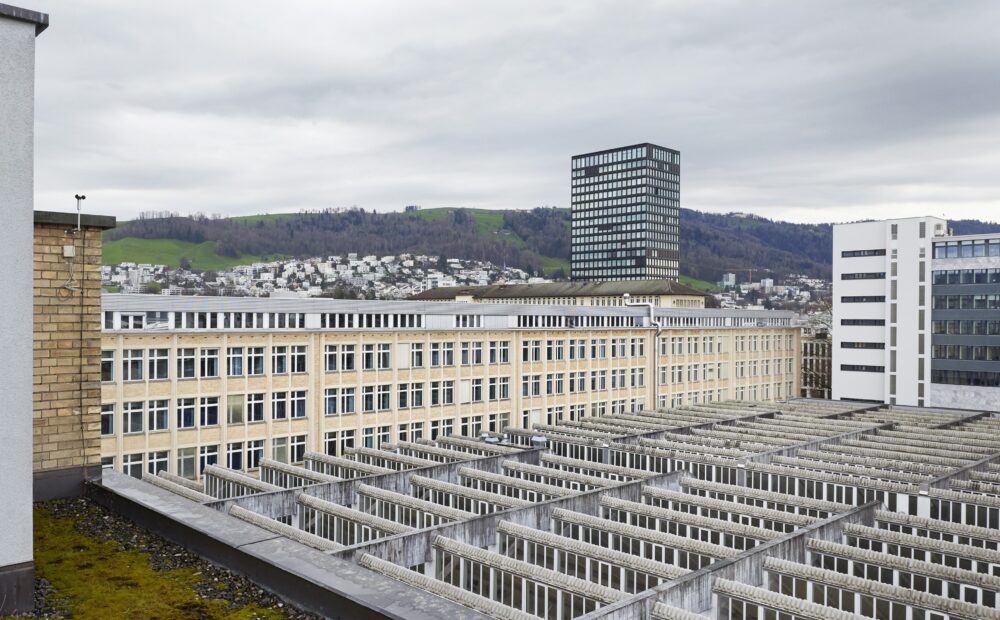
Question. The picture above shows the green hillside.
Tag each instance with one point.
(487, 223)
(170, 252)
(701, 285)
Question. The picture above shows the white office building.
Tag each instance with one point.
(916, 314)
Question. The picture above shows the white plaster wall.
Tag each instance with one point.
(863, 385)
(17, 71)
(911, 249)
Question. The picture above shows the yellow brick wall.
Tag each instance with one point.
(67, 373)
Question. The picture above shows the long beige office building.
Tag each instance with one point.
(194, 381)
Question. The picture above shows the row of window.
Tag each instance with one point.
(861, 368)
(190, 363)
(967, 276)
(554, 350)
(967, 249)
(559, 383)
(204, 411)
(862, 345)
(966, 377)
(862, 299)
(978, 353)
(857, 253)
(205, 320)
(870, 275)
(863, 322)
(966, 327)
(967, 302)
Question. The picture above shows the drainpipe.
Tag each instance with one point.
(655, 352)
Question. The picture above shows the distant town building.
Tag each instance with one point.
(816, 360)
(728, 280)
(626, 214)
(660, 293)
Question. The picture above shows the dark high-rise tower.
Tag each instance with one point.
(626, 213)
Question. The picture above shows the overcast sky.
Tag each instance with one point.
(798, 110)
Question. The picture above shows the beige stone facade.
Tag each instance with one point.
(263, 391)
(67, 346)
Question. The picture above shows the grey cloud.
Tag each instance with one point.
(799, 110)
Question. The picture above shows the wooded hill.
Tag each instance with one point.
(536, 239)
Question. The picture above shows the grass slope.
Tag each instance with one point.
(169, 252)
(701, 285)
(96, 579)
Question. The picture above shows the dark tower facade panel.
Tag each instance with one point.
(626, 214)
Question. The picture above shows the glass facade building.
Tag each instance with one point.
(626, 214)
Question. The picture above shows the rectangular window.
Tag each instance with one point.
(132, 417)
(132, 465)
(279, 360)
(255, 361)
(234, 408)
(298, 404)
(279, 449)
(330, 354)
(209, 362)
(279, 405)
(299, 358)
(234, 455)
(158, 414)
(347, 357)
(384, 397)
(297, 448)
(347, 400)
(185, 363)
(185, 413)
(330, 441)
(158, 360)
(234, 362)
(330, 396)
(207, 455)
(416, 355)
(347, 440)
(107, 366)
(209, 410)
(186, 463)
(132, 365)
(255, 407)
(255, 453)
(108, 419)
(157, 461)
(384, 359)
(368, 357)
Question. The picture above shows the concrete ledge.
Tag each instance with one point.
(309, 578)
(58, 218)
(60, 483)
(17, 588)
(41, 20)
